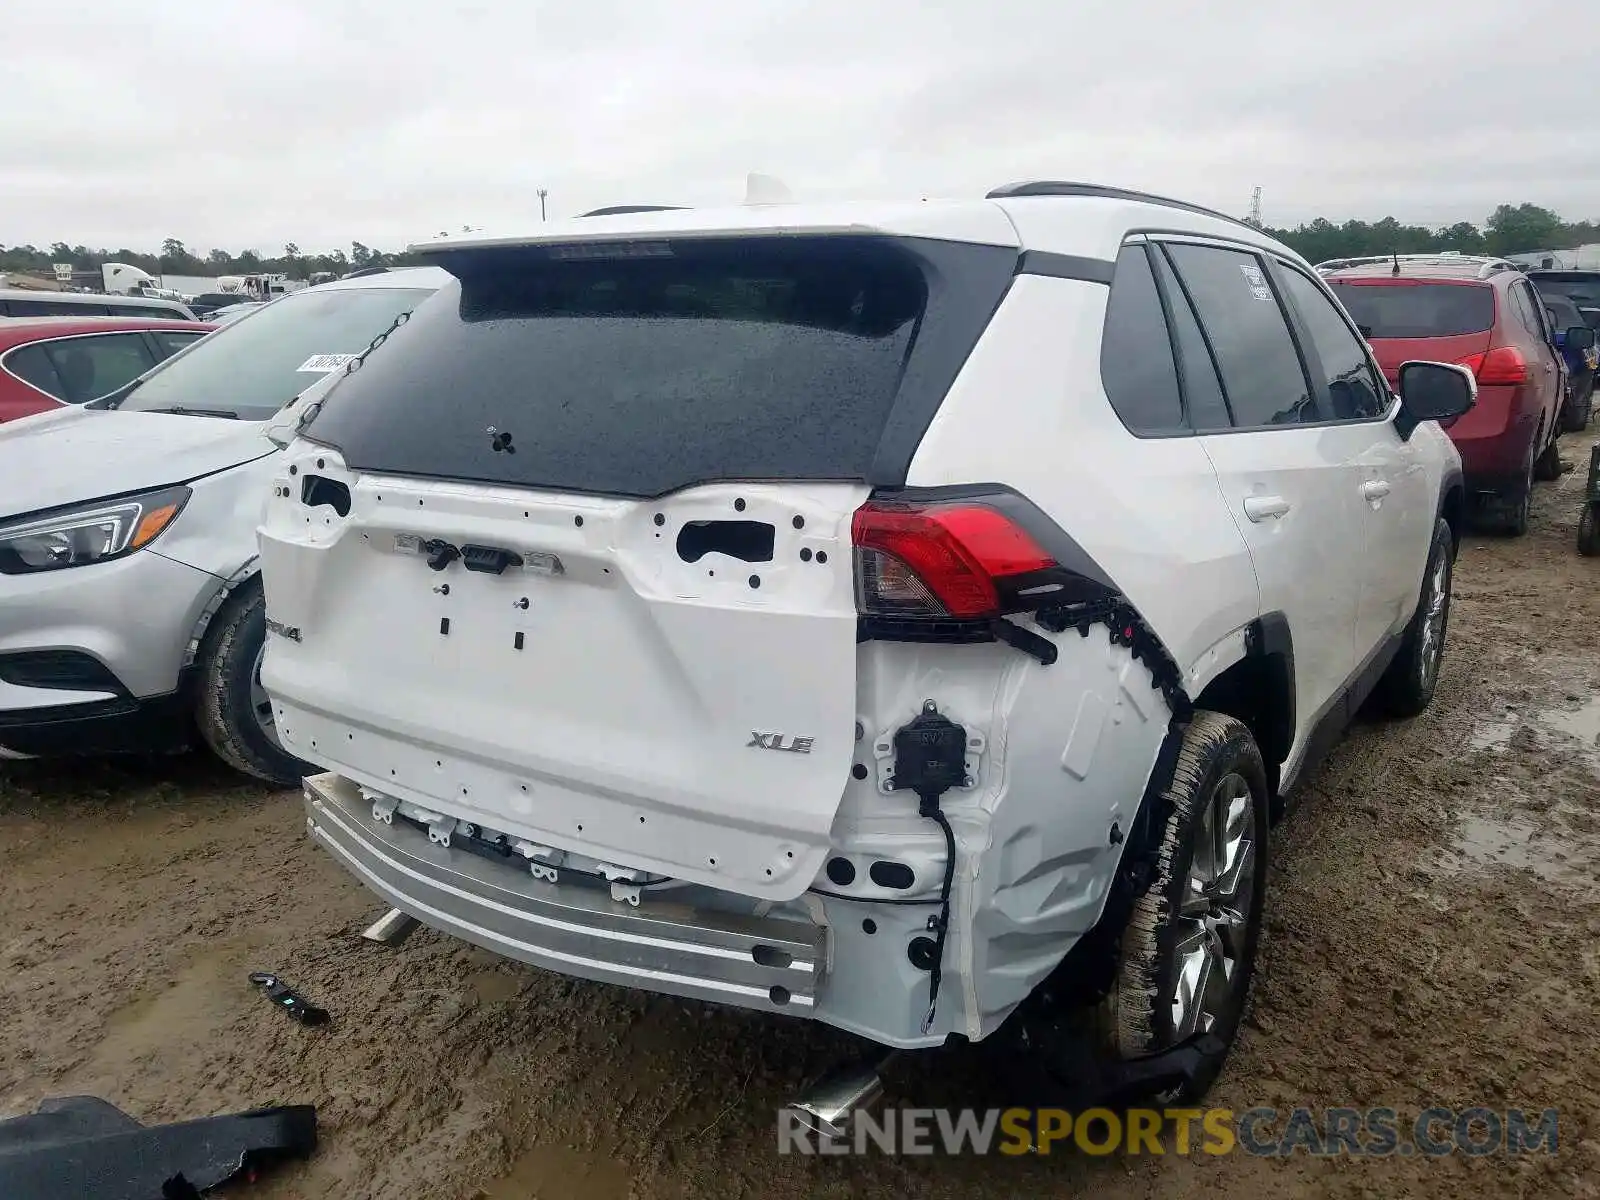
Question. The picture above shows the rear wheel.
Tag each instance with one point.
(1589, 531)
(1188, 951)
(1517, 504)
(234, 713)
(1407, 686)
(1575, 416)
(1548, 465)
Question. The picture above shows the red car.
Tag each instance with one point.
(47, 362)
(1483, 313)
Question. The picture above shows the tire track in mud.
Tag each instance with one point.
(1432, 931)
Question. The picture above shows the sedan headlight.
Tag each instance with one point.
(88, 533)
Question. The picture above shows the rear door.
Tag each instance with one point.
(1546, 372)
(1399, 504)
(592, 585)
(1291, 478)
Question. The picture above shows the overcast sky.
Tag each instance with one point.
(249, 124)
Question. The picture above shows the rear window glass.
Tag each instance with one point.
(637, 373)
(1585, 293)
(1417, 310)
(1564, 313)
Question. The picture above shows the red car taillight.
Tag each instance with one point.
(942, 560)
(1503, 364)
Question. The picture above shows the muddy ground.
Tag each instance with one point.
(1433, 937)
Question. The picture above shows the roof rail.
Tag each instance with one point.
(1052, 187)
(1486, 264)
(618, 210)
(363, 272)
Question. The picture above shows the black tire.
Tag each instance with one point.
(1575, 416)
(1516, 507)
(225, 674)
(1407, 686)
(1548, 465)
(1138, 1017)
(1589, 531)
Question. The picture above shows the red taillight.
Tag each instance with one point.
(938, 560)
(1503, 364)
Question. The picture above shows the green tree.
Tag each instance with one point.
(1521, 229)
(1463, 236)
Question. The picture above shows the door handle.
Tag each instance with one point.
(1374, 489)
(1259, 508)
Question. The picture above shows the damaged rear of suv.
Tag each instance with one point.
(769, 608)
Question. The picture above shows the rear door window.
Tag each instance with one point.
(1263, 379)
(1202, 385)
(1136, 364)
(641, 369)
(1528, 311)
(1417, 310)
(1353, 389)
(94, 366)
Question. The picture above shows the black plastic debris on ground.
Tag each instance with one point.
(286, 998)
(82, 1146)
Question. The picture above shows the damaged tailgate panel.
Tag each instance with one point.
(667, 684)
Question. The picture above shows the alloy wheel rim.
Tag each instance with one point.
(1433, 621)
(1214, 916)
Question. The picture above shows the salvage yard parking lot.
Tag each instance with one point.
(1433, 938)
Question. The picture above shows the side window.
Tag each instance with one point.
(1202, 389)
(1135, 357)
(1352, 387)
(38, 308)
(1261, 372)
(171, 341)
(1537, 324)
(32, 365)
(1522, 308)
(91, 367)
(145, 310)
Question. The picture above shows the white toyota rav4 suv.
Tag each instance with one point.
(894, 616)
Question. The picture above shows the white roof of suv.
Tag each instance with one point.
(1063, 218)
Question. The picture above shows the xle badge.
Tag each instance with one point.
(780, 741)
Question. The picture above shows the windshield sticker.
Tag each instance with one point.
(1253, 276)
(323, 363)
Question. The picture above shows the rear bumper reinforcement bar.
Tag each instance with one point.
(767, 963)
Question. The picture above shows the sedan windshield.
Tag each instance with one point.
(253, 368)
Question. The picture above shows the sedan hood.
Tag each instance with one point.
(79, 454)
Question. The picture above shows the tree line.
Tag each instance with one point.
(177, 259)
(1510, 229)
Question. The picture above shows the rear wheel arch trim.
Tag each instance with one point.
(1267, 652)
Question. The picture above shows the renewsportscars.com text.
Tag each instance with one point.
(1264, 1132)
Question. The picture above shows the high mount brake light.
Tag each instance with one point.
(1503, 364)
(942, 561)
